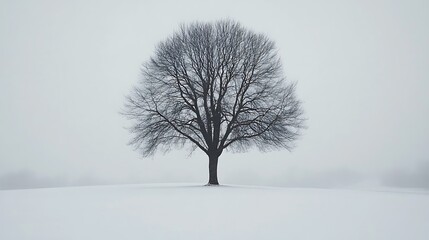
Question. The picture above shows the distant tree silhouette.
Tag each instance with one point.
(217, 86)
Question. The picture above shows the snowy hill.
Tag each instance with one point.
(179, 211)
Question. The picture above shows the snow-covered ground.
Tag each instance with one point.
(190, 211)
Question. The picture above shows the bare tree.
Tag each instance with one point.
(217, 86)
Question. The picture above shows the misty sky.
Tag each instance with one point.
(361, 68)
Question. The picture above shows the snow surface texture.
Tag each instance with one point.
(197, 212)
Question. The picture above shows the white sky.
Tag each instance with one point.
(361, 68)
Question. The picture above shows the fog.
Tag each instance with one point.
(361, 69)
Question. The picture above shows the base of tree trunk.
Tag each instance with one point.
(212, 184)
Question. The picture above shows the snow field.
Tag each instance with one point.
(190, 211)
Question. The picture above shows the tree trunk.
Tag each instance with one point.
(213, 159)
